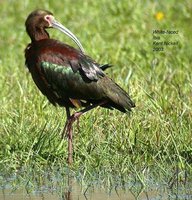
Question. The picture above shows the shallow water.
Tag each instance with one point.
(75, 192)
(57, 185)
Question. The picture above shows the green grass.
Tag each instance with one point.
(154, 140)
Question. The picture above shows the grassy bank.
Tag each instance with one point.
(154, 139)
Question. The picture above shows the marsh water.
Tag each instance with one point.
(76, 193)
(48, 186)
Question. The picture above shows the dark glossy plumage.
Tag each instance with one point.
(85, 82)
(66, 76)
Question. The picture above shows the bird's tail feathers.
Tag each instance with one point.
(119, 97)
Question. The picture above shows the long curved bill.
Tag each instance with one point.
(59, 26)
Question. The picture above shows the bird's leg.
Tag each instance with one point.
(66, 123)
(69, 135)
(68, 126)
(70, 146)
(77, 115)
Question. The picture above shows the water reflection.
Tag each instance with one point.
(58, 186)
(96, 194)
(68, 193)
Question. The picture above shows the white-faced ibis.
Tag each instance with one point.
(66, 76)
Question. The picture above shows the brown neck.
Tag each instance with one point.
(37, 33)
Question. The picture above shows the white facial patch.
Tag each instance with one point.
(49, 19)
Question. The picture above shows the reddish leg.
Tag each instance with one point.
(70, 137)
(69, 126)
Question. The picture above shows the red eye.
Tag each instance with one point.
(47, 18)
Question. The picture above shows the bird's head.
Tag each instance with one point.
(42, 19)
